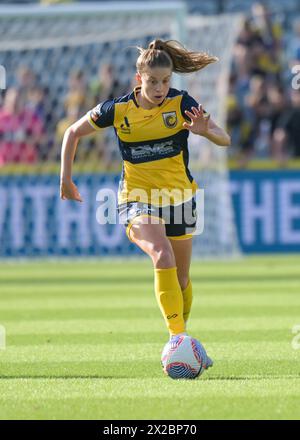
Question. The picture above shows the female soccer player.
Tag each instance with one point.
(156, 189)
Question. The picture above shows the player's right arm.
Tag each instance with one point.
(96, 119)
(82, 127)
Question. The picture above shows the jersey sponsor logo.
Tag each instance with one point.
(170, 119)
(159, 149)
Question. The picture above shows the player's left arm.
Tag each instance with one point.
(200, 123)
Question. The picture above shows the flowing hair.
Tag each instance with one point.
(172, 54)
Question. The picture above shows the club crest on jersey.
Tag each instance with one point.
(170, 119)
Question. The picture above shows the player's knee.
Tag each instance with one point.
(162, 255)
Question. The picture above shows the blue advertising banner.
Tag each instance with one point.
(35, 222)
(267, 210)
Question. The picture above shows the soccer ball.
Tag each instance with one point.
(183, 357)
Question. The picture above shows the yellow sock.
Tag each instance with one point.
(187, 294)
(169, 298)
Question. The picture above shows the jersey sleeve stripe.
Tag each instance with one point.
(92, 123)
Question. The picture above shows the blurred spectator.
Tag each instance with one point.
(256, 112)
(21, 130)
(26, 79)
(36, 101)
(77, 92)
(91, 147)
(278, 103)
(287, 133)
(234, 113)
(266, 26)
(294, 43)
(267, 61)
(264, 106)
(268, 46)
(105, 86)
(257, 97)
(238, 126)
(246, 42)
(257, 100)
(32, 92)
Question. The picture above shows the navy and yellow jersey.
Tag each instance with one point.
(153, 145)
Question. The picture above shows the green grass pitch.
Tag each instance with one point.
(83, 341)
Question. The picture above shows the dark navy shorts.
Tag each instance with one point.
(180, 220)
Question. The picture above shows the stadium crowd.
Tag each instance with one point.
(263, 100)
(29, 132)
(263, 108)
